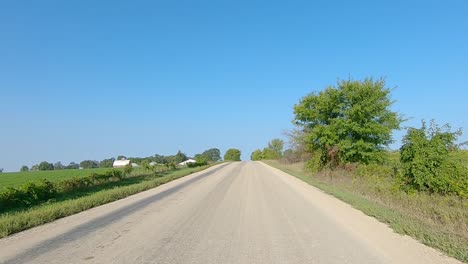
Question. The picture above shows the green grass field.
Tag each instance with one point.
(15, 179)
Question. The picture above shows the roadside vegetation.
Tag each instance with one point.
(341, 146)
(15, 179)
(81, 199)
(30, 198)
(232, 155)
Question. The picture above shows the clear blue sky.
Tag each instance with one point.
(95, 79)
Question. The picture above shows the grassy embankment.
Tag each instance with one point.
(71, 203)
(435, 220)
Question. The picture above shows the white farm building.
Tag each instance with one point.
(121, 163)
(184, 163)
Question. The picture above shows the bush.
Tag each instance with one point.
(197, 164)
(232, 155)
(349, 123)
(30, 193)
(426, 165)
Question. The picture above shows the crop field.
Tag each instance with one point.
(15, 179)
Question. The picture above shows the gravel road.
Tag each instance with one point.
(243, 212)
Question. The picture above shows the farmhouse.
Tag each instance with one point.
(120, 163)
(184, 163)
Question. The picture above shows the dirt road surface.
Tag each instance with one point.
(243, 212)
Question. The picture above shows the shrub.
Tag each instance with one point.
(32, 193)
(197, 164)
(128, 169)
(29, 193)
(426, 165)
(352, 122)
(232, 155)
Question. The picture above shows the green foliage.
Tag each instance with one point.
(35, 192)
(212, 154)
(43, 166)
(15, 222)
(171, 165)
(24, 168)
(426, 164)
(30, 193)
(89, 164)
(107, 163)
(16, 179)
(72, 166)
(269, 154)
(256, 155)
(197, 164)
(232, 155)
(58, 166)
(128, 169)
(351, 122)
(146, 165)
(276, 148)
(179, 157)
(201, 158)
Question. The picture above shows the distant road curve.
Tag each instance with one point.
(244, 212)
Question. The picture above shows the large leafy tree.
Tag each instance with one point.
(232, 155)
(351, 122)
(256, 155)
(212, 154)
(43, 166)
(106, 163)
(89, 164)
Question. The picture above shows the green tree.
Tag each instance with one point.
(351, 122)
(179, 157)
(24, 168)
(256, 155)
(71, 166)
(232, 155)
(58, 166)
(212, 154)
(276, 146)
(44, 166)
(426, 163)
(1, 170)
(89, 164)
(107, 163)
(201, 159)
(269, 154)
(146, 165)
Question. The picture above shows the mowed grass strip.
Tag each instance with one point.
(15, 179)
(14, 222)
(437, 221)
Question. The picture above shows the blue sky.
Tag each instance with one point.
(95, 79)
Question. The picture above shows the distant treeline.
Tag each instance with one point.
(210, 155)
